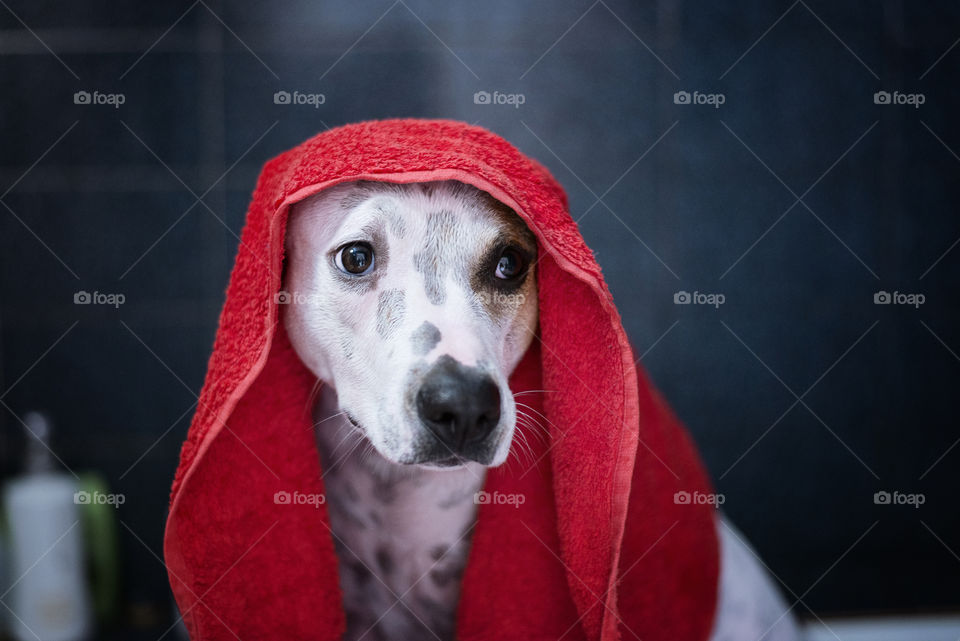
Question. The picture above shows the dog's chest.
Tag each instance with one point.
(401, 537)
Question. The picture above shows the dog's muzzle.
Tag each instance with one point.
(460, 407)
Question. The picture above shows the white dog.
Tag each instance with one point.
(414, 305)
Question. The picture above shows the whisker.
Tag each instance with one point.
(537, 430)
(513, 456)
(329, 418)
(342, 458)
(531, 422)
(526, 449)
(537, 412)
(312, 396)
(349, 430)
(523, 446)
(367, 451)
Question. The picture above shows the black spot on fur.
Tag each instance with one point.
(376, 633)
(444, 576)
(428, 604)
(443, 226)
(340, 512)
(429, 267)
(351, 492)
(384, 491)
(454, 500)
(437, 551)
(384, 560)
(359, 572)
(425, 338)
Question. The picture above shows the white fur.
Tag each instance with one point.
(749, 608)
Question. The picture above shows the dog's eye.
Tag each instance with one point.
(511, 264)
(355, 258)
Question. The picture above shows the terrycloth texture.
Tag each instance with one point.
(599, 549)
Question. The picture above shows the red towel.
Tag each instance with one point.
(600, 549)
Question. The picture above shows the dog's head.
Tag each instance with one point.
(415, 302)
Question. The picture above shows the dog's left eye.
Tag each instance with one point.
(355, 258)
(511, 264)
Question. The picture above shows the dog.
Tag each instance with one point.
(414, 303)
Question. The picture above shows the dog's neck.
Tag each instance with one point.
(401, 533)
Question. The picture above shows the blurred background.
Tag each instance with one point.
(770, 188)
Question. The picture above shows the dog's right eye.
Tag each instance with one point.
(355, 259)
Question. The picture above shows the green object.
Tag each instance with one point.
(99, 522)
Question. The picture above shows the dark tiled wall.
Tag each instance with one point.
(797, 199)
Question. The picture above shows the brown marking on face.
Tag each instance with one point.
(503, 299)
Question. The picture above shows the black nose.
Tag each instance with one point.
(459, 404)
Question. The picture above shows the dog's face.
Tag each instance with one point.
(415, 302)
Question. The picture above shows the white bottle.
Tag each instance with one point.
(48, 593)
